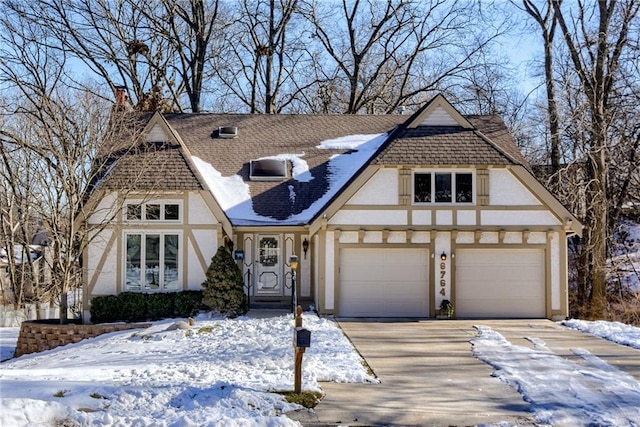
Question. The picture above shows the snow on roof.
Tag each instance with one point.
(234, 196)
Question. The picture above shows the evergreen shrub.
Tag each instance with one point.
(224, 287)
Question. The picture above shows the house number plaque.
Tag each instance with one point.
(443, 281)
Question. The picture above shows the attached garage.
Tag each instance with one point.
(500, 283)
(384, 282)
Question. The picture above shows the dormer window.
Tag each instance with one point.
(268, 170)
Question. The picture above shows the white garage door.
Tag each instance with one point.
(500, 283)
(384, 282)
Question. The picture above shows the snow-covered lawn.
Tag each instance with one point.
(561, 391)
(219, 372)
(225, 372)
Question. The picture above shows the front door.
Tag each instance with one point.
(269, 278)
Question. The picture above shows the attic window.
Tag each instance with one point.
(268, 170)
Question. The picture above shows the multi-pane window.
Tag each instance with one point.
(443, 187)
(152, 212)
(152, 261)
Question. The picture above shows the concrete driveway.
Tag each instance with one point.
(429, 377)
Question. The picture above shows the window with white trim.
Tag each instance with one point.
(152, 211)
(443, 187)
(152, 261)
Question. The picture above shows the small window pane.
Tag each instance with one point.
(464, 188)
(133, 262)
(134, 212)
(152, 212)
(171, 262)
(171, 212)
(152, 261)
(422, 188)
(443, 188)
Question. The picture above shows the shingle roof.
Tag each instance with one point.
(152, 168)
(163, 166)
(488, 144)
(271, 135)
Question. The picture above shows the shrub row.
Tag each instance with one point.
(138, 307)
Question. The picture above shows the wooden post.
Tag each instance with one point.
(298, 353)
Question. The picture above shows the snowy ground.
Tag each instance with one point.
(224, 372)
(220, 372)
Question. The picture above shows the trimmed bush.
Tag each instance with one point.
(224, 287)
(158, 305)
(188, 303)
(135, 307)
(132, 306)
(103, 309)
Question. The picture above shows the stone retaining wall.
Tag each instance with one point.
(40, 335)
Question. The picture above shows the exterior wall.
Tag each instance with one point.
(510, 216)
(198, 230)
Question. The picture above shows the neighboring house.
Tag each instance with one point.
(388, 214)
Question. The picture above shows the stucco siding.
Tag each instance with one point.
(380, 189)
(105, 211)
(106, 278)
(369, 217)
(516, 217)
(421, 217)
(207, 242)
(329, 288)
(466, 217)
(199, 212)
(506, 190)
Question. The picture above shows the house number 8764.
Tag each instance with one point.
(443, 282)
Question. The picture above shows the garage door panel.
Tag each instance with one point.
(384, 282)
(500, 283)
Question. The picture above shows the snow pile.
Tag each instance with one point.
(219, 372)
(561, 391)
(611, 331)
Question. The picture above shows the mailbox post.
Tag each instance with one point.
(301, 341)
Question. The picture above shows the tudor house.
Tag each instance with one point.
(388, 214)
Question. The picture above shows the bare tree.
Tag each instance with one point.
(596, 54)
(260, 63)
(392, 53)
(545, 18)
(159, 54)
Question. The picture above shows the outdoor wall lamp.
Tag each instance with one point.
(305, 247)
(443, 256)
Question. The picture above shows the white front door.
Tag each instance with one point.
(269, 277)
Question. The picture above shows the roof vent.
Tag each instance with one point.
(227, 131)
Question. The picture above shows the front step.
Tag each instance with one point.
(277, 303)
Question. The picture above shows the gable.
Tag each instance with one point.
(438, 117)
(438, 112)
(157, 133)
